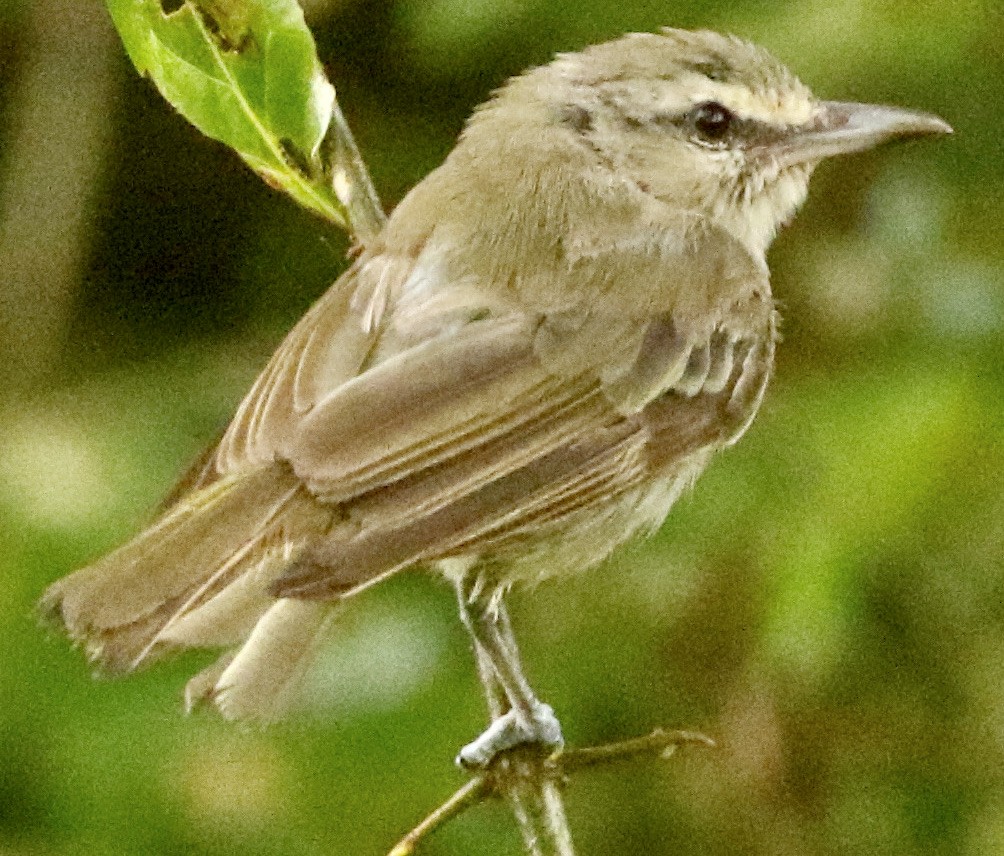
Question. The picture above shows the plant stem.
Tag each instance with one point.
(351, 180)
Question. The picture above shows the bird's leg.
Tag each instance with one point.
(520, 718)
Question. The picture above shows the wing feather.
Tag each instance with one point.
(491, 508)
(324, 350)
(430, 403)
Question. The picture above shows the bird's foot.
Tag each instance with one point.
(509, 731)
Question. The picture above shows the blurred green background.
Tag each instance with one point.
(828, 603)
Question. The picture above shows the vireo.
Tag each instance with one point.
(547, 343)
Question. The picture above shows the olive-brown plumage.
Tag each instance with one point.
(545, 345)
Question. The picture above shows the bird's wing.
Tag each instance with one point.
(457, 391)
(517, 455)
(488, 431)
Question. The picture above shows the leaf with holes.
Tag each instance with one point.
(246, 73)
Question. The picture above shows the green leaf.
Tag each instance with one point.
(246, 73)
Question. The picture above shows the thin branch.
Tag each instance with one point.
(555, 817)
(531, 786)
(523, 805)
(540, 811)
(659, 742)
(476, 790)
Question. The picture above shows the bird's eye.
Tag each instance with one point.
(711, 120)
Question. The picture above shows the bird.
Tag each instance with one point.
(543, 348)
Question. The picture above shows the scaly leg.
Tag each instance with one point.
(520, 718)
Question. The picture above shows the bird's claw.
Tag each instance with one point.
(509, 731)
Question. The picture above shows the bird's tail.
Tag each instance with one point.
(199, 577)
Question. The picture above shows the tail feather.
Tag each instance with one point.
(262, 680)
(213, 553)
(227, 617)
(201, 687)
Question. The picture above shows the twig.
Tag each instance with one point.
(511, 776)
(470, 794)
(554, 814)
(523, 808)
(531, 786)
(663, 743)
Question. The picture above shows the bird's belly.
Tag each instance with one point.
(585, 538)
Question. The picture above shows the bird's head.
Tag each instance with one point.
(707, 123)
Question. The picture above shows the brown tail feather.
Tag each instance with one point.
(247, 528)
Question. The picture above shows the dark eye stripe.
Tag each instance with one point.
(709, 123)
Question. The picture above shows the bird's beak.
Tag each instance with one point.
(843, 127)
